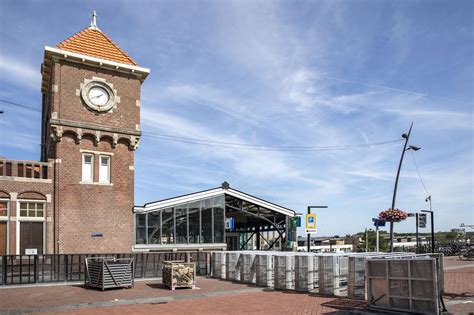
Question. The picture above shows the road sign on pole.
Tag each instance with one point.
(311, 223)
(378, 222)
(422, 220)
(296, 221)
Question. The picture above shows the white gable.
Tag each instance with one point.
(211, 193)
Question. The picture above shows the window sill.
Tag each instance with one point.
(31, 219)
(149, 247)
(96, 183)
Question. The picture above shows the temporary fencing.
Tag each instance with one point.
(388, 280)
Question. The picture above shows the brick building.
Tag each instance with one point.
(80, 196)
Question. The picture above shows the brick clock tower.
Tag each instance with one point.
(91, 129)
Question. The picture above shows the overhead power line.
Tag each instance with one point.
(21, 105)
(419, 175)
(261, 147)
(240, 146)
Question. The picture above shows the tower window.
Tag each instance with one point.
(87, 168)
(104, 169)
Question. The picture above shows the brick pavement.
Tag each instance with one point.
(459, 281)
(50, 296)
(271, 302)
(459, 285)
(214, 297)
(453, 262)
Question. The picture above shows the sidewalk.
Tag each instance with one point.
(212, 297)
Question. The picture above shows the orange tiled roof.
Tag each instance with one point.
(95, 43)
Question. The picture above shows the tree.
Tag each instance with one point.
(372, 241)
(451, 236)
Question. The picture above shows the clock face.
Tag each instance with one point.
(98, 96)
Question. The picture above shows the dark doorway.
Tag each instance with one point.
(232, 240)
(3, 238)
(31, 236)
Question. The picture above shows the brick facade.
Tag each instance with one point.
(87, 209)
(17, 189)
(81, 217)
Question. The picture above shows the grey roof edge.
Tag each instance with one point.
(159, 204)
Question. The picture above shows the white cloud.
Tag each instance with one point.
(13, 69)
(439, 119)
(202, 95)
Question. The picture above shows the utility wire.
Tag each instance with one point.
(259, 147)
(419, 175)
(239, 146)
(20, 105)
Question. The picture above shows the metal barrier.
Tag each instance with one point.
(48, 268)
(407, 284)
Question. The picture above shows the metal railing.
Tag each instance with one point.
(24, 169)
(48, 268)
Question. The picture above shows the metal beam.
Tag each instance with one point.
(243, 245)
(274, 242)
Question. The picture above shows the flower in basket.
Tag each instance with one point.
(393, 215)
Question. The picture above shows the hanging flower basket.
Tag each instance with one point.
(393, 215)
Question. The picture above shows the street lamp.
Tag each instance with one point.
(411, 147)
(309, 234)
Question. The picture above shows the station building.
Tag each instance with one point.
(219, 218)
(79, 198)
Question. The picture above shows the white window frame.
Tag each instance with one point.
(6, 219)
(28, 218)
(84, 180)
(109, 164)
(20, 219)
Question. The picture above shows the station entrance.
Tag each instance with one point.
(221, 218)
(255, 226)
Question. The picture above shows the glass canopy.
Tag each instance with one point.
(197, 222)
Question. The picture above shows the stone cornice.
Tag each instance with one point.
(92, 126)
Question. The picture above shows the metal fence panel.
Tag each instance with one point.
(49, 268)
(329, 277)
(408, 284)
(232, 268)
(218, 265)
(304, 272)
(284, 278)
(248, 270)
(264, 270)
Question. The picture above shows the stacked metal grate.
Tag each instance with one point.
(106, 273)
(232, 266)
(264, 265)
(248, 270)
(218, 263)
(304, 272)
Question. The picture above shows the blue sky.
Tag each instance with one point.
(292, 73)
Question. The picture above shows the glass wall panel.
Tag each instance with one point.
(181, 217)
(167, 223)
(219, 219)
(194, 222)
(140, 220)
(206, 220)
(154, 227)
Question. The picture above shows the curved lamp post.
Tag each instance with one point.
(411, 147)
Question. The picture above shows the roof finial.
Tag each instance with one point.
(94, 22)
